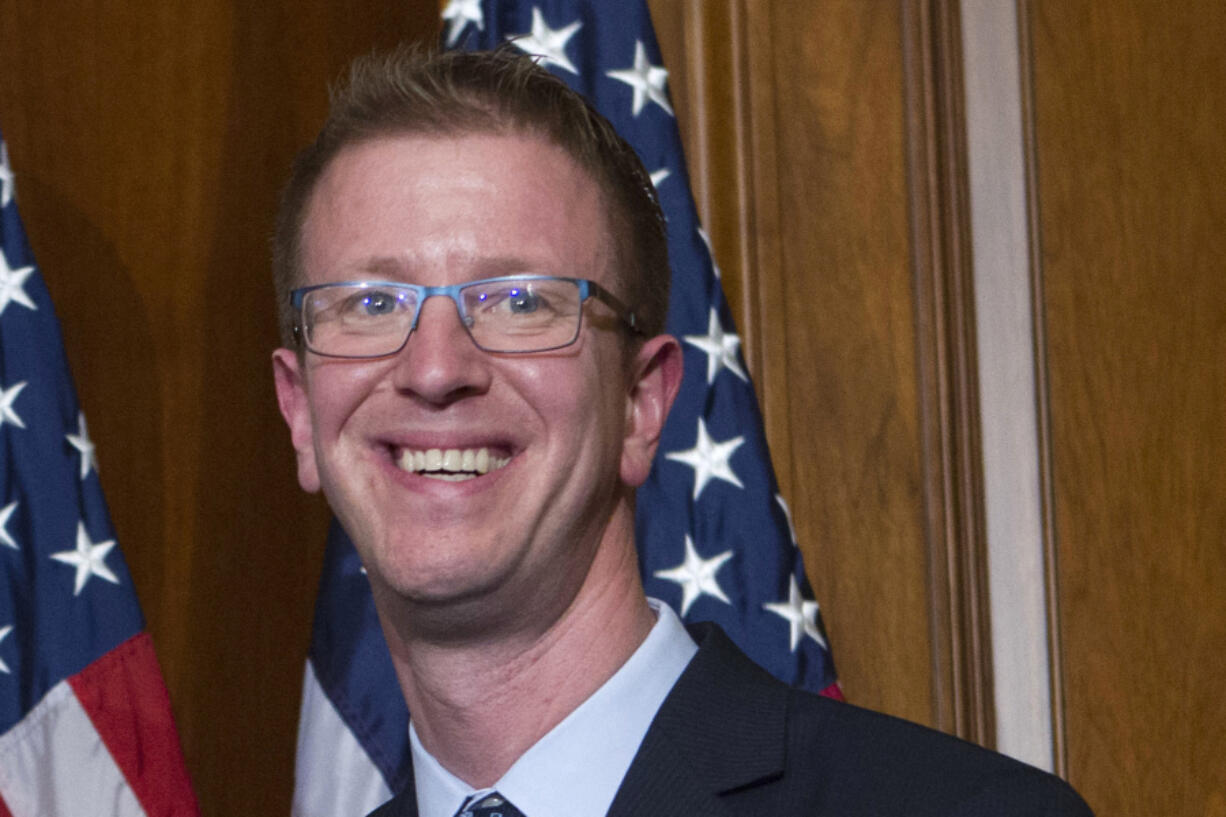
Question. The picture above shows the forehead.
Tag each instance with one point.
(438, 209)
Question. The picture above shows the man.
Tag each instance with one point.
(472, 272)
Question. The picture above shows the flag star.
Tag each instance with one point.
(6, 514)
(788, 513)
(458, 14)
(706, 239)
(659, 176)
(4, 633)
(722, 349)
(8, 414)
(801, 615)
(6, 176)
(12, 285)
(89, 558)
(709, 459)
(696, 576)
(547, 43)
(647, 80)
(81, 442)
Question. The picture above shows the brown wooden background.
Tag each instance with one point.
(149, 141)
(1130, 130)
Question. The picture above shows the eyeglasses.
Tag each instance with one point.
(510, 314)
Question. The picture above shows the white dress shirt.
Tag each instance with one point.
(577, 767)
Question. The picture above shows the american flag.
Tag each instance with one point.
(85, 721)
(714, 534)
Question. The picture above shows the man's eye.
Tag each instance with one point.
(372, 304)
(522, 302)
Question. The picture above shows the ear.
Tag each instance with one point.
(655, 379)
(290, 381)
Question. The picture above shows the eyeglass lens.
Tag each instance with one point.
(362, 320)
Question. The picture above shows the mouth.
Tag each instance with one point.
(450, 464)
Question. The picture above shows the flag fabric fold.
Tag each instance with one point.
(85, 720)
(714, 534)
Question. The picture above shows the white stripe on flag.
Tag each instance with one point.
(333, 776)
(53, 763)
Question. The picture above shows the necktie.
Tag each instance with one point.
(491, 805)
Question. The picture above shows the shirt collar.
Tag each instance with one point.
(577, 767)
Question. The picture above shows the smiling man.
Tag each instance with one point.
(472, 272)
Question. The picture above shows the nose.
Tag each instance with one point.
(439, 363)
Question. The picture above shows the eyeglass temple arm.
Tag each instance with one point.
(624, 312)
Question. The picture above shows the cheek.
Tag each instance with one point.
(338, 389)
(576, 398)
(599, 400)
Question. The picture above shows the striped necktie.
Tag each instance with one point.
(490, 805)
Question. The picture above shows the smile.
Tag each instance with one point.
(451, 465)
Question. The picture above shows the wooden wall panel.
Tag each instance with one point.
(149, 142)
(793, 114)
(1129, 112)
(842, 361)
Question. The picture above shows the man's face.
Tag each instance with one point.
(554, 426)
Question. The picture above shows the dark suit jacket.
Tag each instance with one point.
(731, 740)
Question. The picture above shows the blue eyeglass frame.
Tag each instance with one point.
(587, 289)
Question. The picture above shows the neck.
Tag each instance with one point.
(478, 704)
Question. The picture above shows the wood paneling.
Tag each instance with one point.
(1130, 109)
(149, 142)
(793, 114)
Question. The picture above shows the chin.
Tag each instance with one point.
(432, 583)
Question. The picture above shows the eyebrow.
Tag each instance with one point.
(385, 267)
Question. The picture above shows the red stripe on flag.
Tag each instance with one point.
(4, 810)
(833, 691)
(126, 699)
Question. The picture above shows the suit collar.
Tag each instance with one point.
(403, 804)
(723, 727)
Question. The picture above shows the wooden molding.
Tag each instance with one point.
(949, 405)
(1042, 399)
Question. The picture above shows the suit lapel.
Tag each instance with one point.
(660, 784)
(722, 727)
(402, 805)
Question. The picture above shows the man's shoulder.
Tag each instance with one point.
(869, 757)
(855, 761)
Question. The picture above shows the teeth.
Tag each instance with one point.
(452, 465)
